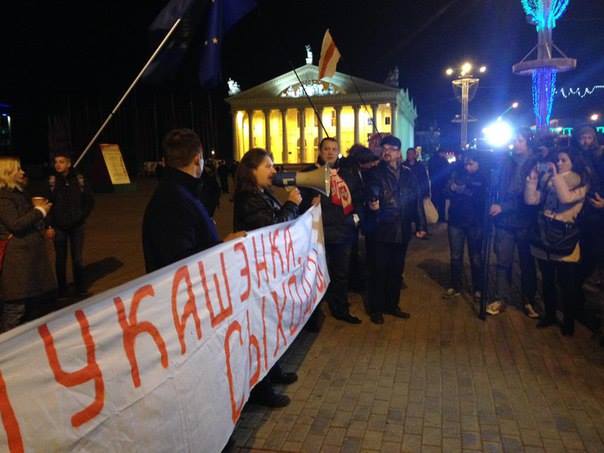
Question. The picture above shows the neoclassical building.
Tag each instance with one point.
(277, 116)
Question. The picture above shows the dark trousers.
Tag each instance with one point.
(338, 265)
(457, 240)
(592, 256)
(357, 276)
(440, 203)
(17, 312)
(75, 238)
(506, 241)
(387, 261)
(565, 276)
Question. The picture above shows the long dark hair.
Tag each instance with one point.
(580, 167)
(245, 181)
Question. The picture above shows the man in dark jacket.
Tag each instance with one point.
(440, 170)
(467, 191)
(513, 220)
(592, 218)
(73, 201)
(338, 225)
(394, 201)
(176, 224)
(419, 171)
(421, 174)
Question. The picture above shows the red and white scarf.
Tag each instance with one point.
(340, 193)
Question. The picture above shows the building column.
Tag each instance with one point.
(357, 128)
(338, 124)
(374, 109)
(235, 134)
(393, 119)
(301, 121)
(284, 135)
(250, 131)
(267, 129)
(319, 127)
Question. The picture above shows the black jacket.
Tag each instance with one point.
(400, 204)
(515, 214)
(337, 227)
(72, 201)
(253, 210)
(421, 174)
(176, 224)
(467, 208)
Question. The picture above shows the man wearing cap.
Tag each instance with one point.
(394, 201)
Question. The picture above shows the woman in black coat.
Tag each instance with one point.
(27, 281)
(256, 207)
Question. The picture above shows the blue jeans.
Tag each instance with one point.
(506, 241)
(457, 240)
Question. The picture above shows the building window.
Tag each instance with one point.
(387, 120)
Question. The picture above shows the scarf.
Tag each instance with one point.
(340, 193)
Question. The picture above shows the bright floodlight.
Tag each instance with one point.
(482, 69)
(515, 105)
(594, 117)
(498, 134)
(449, 71)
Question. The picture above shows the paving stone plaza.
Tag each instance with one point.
(441, 381)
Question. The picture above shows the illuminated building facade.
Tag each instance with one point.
(277, 116)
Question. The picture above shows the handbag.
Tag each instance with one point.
(430, 211)
(3, 245)
(556, 237)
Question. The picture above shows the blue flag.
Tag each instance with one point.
(222, 15)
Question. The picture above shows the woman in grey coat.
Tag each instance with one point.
(27, 281)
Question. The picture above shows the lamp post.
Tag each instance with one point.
(513, 105)
(465, 86)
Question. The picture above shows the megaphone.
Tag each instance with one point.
(318, 179)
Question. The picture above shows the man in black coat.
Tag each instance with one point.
(73, 201)
(176, 223)
(338, 226)
(394, 201)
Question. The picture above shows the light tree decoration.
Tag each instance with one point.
(544, 69)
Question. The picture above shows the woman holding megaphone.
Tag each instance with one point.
(256, 207)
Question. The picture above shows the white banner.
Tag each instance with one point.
(164, 362)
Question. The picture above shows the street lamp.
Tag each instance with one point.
(594, 117)
(513, 105)
(465, 86)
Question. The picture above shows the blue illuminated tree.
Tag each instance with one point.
(544, 69)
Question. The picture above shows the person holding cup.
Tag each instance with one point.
(27, 282)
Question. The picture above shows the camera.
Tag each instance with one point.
(542, 167)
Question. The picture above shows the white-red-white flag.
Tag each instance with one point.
(330, 55)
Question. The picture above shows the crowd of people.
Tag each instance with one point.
(544, 199)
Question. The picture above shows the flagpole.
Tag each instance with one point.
(374, 115)
(130, 88)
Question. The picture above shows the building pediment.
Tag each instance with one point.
(287, 86)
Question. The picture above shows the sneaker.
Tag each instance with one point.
(494, 308)
(529, 310)
(452, 292)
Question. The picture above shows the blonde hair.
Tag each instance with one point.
(9, 166)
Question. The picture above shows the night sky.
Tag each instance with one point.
(68, 46)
